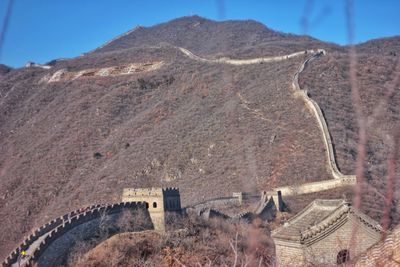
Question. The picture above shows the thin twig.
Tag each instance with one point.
(362, 133)
(392, 165)
(5, 24)
(234, 248)
(180, 263)
(377, 112)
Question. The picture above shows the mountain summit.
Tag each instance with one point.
(204, 36)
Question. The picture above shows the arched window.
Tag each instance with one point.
(343, 256)
(147, 205)
(154, 204)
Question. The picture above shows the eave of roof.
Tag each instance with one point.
(328, 218)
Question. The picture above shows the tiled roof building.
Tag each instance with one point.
(321, 234)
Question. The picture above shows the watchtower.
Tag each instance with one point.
(158, 201)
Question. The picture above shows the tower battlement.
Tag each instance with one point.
(158, 201)
(171, 191)
(144, 192)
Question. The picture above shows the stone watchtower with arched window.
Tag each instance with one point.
(158, 201)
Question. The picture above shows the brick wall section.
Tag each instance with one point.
(315, 186)
(386, 253)
(78, 220)
(289, 255)
(311, 105)
(39, 232)
(325, 250)
(159, 201)
(61, 225)
(316, 110)
(245, 61)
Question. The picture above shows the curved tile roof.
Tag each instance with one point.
(317, 218)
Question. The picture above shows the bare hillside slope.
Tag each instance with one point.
(78, 133)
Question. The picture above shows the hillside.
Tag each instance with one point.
(206, 37)
(4, 69)
(209, 129)
(327, 81)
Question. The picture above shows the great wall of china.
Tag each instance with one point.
(41, 238)
(339, 178)
(44, 236)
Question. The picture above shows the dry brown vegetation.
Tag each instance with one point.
(182, 125)
(213, 243)
(327, 81)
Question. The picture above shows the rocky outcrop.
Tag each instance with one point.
(64, 75)
(36, 65)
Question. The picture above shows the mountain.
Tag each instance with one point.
(207, 37)
(137, 112)
(4, 69)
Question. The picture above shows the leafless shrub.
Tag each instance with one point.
(133, 220)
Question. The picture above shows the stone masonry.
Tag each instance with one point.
(322, 233)
(158, 201)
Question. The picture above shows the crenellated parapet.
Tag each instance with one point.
(312, 105)
(40, 232)
(249, 61)
(43, 237)
(159, 201)
(171, 191)
(317, 112)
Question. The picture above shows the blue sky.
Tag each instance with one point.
(42, 30)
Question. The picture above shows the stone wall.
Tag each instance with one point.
(155, 203)
(315, 186)
(216, 202)
(288, 254)
(246, 61)
(78, 220)
(325, 250)
(172, 199)
(97, 228)
(44, 236)
(385, 253)
(41, 231)
(159, 201)
(316, 110)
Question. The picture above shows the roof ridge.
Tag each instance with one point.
(315, 203)
(327, 221)
(366, 219)
(336, 215)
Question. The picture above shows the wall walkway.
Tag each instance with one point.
(36, 243)
(339, 178)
